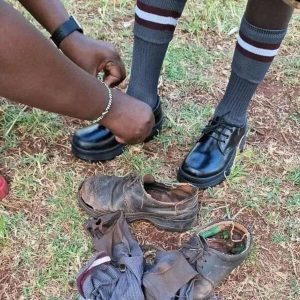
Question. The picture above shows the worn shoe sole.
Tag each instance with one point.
(159, 222)
(211, 181)
(112, 152)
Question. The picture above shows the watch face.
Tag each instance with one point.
(76, 21)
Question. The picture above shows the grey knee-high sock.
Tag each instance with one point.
(155, 22)
(255, 50)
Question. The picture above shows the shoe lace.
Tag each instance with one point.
(217, 126)
(194, 253)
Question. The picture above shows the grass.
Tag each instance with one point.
(184, 71)
(28, 122)
(212, 16)
(294, 176)
(3, 229)
(42, 241)
(183, 127)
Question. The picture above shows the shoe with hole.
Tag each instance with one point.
(214, 252)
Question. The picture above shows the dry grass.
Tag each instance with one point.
(42, 241)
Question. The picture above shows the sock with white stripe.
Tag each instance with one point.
(155, 22)
(255, 50)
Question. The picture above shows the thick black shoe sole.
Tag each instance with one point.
(211, 181)
(163, 223)
(98, 155)
(204, 183)
(112, 152)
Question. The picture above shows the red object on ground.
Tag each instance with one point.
(3, 188)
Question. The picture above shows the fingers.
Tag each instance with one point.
(120, 140)
(134, 140)
(112, 81)
(130, 120)
(114, 73)
(130, 142)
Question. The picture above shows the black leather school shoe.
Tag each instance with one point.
(97, 143)
(211, 159)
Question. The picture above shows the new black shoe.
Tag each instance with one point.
(97, 143)
(210, 161)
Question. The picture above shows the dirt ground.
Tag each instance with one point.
(42, 241)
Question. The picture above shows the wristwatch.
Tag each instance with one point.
(65, 30)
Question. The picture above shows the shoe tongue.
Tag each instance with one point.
(194, 249)
(197, 242)
(147, 178)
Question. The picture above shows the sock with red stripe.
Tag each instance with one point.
(255, 50)
(155, 22)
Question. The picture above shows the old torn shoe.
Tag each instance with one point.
(169, 273)
(171, 207)
(214, 253)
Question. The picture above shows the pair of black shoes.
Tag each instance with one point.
(206, 165)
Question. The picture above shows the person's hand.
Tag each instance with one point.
(129, 119)
(94, 57)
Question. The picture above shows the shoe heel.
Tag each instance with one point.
(243, 143)
(156, 131)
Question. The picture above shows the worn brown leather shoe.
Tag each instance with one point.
(214, 253)
(171, 207)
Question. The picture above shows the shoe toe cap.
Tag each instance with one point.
(202, 164)
(93, 137)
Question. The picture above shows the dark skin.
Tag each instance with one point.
(34, 73)
(94, 56)
(91, 55)
(269, 14)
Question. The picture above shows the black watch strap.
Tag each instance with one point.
(65, 30)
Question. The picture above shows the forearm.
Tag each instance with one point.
(49, 13)
(34, 73)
